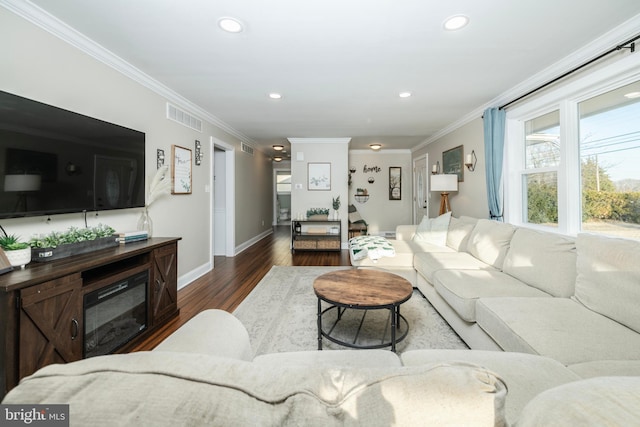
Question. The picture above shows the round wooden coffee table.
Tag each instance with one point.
(362, 289)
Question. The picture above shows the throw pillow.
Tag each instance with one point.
(355, 217)
(433, 230)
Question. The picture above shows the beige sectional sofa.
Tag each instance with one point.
(516, 289)
(203, 375)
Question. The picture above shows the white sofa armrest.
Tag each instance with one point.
(405, 232)
(213, 332)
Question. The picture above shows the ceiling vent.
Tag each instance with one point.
(184, 118)
(246, 148)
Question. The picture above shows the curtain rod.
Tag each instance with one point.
(631, 47)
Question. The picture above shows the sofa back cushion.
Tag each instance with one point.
(608, 279)
(169, 389)
(433, 230)
(544, 260)
(489, 241)
(459, 231)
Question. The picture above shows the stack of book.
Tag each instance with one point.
(132, 236)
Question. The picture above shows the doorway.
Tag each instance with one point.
(420, 189)
(223, 198)
(282, 196)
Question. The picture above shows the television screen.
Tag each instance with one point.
(56, 161)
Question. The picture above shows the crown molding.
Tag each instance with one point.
(319, 140)
(44, 20)
(607, 41)
(381, 151)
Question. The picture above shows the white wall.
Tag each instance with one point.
(471, 197)
(319, 150)
(41, 66)
(382, 214)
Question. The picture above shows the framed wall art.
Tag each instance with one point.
(181, 170)
(395, 183)
(452, 162)
(319, 176)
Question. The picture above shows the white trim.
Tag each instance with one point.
(42, 19)
(598, 46)
(382, 151)
(319, 140)
(230, 194)
(564, 98)
(191, 276)
(252, 241)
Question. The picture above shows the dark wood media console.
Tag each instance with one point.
(42, 306)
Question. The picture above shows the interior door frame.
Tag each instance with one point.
(415, 186)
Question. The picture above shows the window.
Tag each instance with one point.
(610, 162)
(540, 177)
(573, 155)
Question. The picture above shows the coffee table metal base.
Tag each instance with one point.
(398, 323)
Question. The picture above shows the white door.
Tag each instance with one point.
(420, 199)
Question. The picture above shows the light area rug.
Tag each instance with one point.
(280, 315)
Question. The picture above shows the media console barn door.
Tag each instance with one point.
(42, 307)
(164, 283)
(50, 324)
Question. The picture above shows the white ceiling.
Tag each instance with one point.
(340, 64)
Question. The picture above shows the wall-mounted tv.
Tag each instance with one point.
(54, 161)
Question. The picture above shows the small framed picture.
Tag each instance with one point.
(181, 171)
(319, 176)
(395, 183)
(452, 162)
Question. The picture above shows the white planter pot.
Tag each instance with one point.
(19, 258)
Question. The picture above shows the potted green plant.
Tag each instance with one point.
(318, 214)
(336, 206)
(18, 253)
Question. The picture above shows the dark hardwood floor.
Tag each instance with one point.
(232, 279)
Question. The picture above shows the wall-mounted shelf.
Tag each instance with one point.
(361, 198)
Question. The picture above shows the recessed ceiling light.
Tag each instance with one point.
(455, 22)
(632, 95)
(404, 94)
(375, 147)
(230, 25)
(275, 95)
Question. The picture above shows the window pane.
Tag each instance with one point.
(541, 204)
(542, 141)
(609, 160)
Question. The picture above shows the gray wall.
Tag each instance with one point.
(42, 67)
(471, 197)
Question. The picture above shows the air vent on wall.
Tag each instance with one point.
(182, 117)
(247, 148)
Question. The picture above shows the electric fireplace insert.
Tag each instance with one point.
(115, 314)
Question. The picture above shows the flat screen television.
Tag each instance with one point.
(54, 161)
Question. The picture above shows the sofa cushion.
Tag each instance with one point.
(525, 375)
(462, 288)
(459, 231)
(544, 260)
(333, 358)
(560, 328)
(604, 401)
(606, 368)
(489, 241)
(213, 332)
(169, 389)
(608, 280)
(433, 230)
(428, 263)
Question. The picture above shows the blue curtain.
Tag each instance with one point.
(494, 128)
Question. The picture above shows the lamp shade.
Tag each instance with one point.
(444, 182)
(22, 182)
